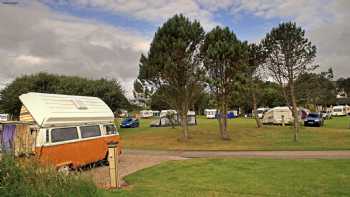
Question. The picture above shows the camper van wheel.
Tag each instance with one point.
(64, 169)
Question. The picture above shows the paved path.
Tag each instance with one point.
(246, 154)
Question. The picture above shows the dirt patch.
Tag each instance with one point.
(128, 164)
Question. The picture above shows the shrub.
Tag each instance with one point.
(28, 178)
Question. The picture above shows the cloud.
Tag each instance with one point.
(156, 11)
(325, 22)
(37, 39)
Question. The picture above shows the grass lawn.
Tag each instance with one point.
(241, 178)
(335, 135)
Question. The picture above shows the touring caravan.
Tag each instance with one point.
(340, 110)
(261, 111)
(146, 114)
(66, 131)
(274, 116)
(210, 113)
(4, 117)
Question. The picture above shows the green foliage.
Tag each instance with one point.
(289, 52)
(29, 179)
(109, 91)
(173, 63)
(312, 89)
(343, 84)
(158, 100)
(224, 59)
(289, 55)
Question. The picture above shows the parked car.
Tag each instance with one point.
(314, 119)
(130, 123)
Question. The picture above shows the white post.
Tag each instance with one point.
(113, 158)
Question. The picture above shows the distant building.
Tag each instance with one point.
(342, 95)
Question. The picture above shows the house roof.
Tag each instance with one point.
(61, 110)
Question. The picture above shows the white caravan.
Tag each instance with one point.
(274, 116)
(146, 114)
(340, 110)
(261, 111)
(210, 113)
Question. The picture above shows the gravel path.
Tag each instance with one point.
(134, 160)
(128, 163)
(338, 154)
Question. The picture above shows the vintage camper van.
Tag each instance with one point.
(340, 110)
(67, 131)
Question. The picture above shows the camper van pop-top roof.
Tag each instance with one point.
(63, 110)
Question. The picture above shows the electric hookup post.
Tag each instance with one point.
(113, 159)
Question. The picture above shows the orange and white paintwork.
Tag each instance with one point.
(52, 111)
(77, 153)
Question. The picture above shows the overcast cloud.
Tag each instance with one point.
(33, 37)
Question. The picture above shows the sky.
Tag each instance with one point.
(105, 38)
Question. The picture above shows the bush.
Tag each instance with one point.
(28, 178)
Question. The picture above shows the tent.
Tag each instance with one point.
(169, 117)
(18, 137)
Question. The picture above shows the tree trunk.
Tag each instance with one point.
(223, 115)
(257, 119)
(184, 125)
(295, 113)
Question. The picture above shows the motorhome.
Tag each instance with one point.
(210, 113)
(63, 130)
(340, 110)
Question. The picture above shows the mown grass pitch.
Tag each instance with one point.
(241, 178)
(335, 135)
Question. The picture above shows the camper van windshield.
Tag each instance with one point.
(64, 134)
(90, 131)
(110, 129)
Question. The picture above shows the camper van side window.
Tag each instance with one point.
(64, 134)
(90, 131)
(110, 129)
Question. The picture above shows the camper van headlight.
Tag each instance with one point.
(317, 120)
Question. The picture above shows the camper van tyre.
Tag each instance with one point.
(105, 160)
